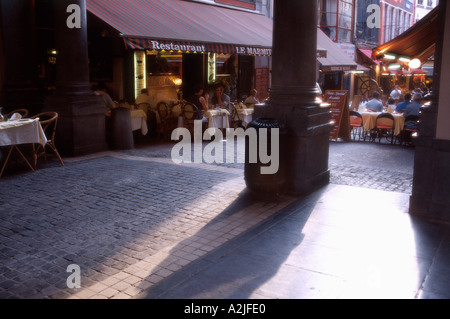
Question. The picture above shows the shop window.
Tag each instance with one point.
(222, 68)
(163, 63)
(163, 77)
(336, 19)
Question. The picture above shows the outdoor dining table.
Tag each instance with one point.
(139, 121)
(245, 115)
(18, 132)
(370, 118)
(218, 118)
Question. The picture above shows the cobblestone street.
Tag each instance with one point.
(130, 219)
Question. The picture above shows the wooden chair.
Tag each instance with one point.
(356, 124)
(190, 114)
(22, 112)
(48, 121)
(385, 126)
(235, 119)
(406, 133)
(166, 120)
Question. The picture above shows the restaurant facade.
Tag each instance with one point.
(172, 46)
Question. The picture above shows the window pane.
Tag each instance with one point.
(344, 35)
(345, 8)
(328, 6)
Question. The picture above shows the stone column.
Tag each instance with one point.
(293, 95)
(17, 56)
(431, 185)
(81, 124)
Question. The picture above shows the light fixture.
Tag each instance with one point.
(389, 56)
(177, 81)
(415, 63)
(394, 66)
(404, 59)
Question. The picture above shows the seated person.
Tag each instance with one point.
(402, 105)
(391, 105)
(374, 105)
(413, 108)
(252, 98)
(100, 89)
(143, 98)
(200, 100)
(220, 99)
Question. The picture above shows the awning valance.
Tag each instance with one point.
(336, 59)
(185, 26)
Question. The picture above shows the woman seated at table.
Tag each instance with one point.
(220, 99)
(200, 100)
(391, 105)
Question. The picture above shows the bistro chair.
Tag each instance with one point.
(22, 112)
(48, 121)
(407, 132)
(356, 124)
(190, 114)
(385, 126)
(166, 122)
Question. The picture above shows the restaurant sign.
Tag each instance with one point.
(188, 46)
(252, 50)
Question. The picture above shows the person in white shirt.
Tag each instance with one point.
(396, 93)
(252, 98)
(143, 98)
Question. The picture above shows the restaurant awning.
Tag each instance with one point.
(366, 54)
(336, 59)
(417, 42)
(185, 26)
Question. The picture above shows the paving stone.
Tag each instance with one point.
(111, 211)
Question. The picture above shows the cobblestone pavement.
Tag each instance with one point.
(131, 218)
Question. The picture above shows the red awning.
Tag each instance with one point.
(185, 26)
(368, 54)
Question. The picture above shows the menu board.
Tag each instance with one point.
(339, 113)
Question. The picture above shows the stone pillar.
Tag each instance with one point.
(431, 184)
(293, 95)
(81, 124)
(17, 57)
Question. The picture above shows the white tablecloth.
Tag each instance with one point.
(139, 121)
(245, 115)
(218, 118)
(22, 131)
